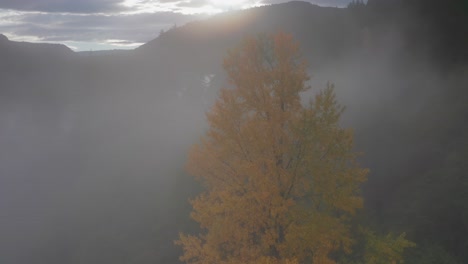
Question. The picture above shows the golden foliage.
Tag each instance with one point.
(281, 179)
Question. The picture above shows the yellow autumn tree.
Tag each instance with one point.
(281, 178)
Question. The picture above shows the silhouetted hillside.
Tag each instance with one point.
(324, 33)
(13, 52)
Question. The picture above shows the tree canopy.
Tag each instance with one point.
(281, 179)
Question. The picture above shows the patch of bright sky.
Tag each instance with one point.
(232, 4)
(219, 6)
(147, 6)
(14, 37)
(122, 43)
(109, 44)
(95, 46)
(212, 6)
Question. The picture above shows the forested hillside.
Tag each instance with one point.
(93, 146)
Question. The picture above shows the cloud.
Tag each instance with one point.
(72, 6)
(177, 6)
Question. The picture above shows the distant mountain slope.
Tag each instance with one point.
(324, 33)
(17, 56)
(8, 47)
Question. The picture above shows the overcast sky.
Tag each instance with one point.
(110, 24)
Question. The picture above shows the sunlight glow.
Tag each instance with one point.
(147, 6)
(232, 4)
(235, 4)
(209, 8)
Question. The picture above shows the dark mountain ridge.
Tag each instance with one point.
(16, 50)
(304, 20)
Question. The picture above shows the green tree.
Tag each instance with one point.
(281, 178)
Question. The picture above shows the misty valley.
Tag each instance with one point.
(98, 163)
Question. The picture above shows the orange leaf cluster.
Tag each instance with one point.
(281, 179)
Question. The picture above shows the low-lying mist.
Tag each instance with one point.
(93, 148)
